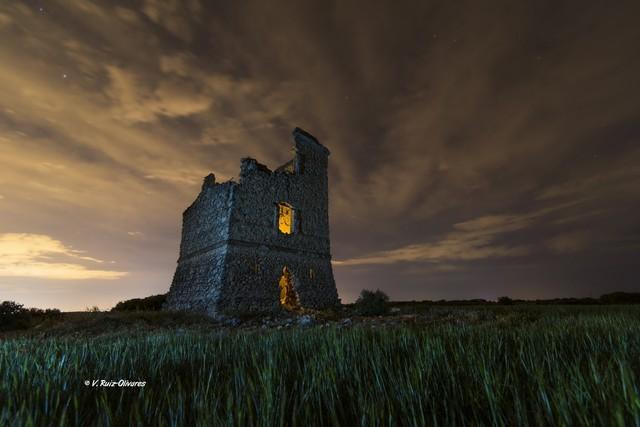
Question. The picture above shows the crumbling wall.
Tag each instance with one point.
(254, 215)
(206, 221)
(254, 273)
(232, 254)
(254, 237)
(197, 281)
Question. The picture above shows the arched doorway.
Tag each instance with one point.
(288, 298)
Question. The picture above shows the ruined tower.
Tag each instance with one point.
(259, 244)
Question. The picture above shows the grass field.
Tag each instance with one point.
(470, 366)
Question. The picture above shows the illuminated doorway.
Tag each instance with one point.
(288, 297)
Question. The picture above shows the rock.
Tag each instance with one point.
(346, 322)
(232, 321)
(395, 310)
(305, 320)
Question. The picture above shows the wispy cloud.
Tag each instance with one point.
(5, 20)
(41, 256)
(470, 240)
(570, 242)
(598, 185)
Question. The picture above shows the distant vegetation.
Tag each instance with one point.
(152, 303)
(606, 299)
(612, 298)
(372, 303)
(492, 365)
(15, 316)
(620, 298)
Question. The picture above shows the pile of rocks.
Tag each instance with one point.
(346, 320)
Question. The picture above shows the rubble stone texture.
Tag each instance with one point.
(233, 252)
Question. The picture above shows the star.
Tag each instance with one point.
(64, 75)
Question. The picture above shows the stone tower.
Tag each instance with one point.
(259, 244)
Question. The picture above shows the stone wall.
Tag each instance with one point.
(253, 277)
(232, 253)
(197, 282)
(206, 221)
(198, 278)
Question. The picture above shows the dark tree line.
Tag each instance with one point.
(16, 316)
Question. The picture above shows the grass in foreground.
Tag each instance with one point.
(549, 366)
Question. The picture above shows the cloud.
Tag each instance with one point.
(5, 20)
(139, 102)
(471, 240)
(173, 15)
(175, 176)
(570, 242)
(41, 256)
(134, 233)
(597, 185)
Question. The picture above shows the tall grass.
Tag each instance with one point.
(580, 367)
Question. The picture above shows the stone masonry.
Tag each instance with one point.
(234, 252)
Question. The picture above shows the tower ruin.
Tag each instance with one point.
(260, 244)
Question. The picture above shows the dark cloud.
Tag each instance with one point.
(478, 148)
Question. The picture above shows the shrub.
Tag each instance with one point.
(152, 303)
(505, 301)
(372, 303)
(15, 316)
(10, 309)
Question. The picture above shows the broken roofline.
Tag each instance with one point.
(299, 135)
(249, 163)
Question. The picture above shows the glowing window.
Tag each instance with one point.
(285, 218)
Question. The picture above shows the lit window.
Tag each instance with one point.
(285, 218)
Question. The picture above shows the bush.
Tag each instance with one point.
(15, 316)
(505, 301)
(10, 309)
(372, 303)
(152, 303)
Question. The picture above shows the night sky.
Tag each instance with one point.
(478, 149)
